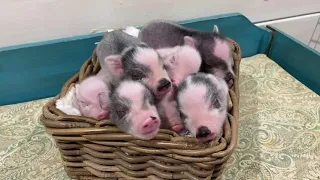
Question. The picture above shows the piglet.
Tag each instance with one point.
(93, 98)
(133, 109)
(202, 104)
(214, 48)
(168, 112)
(123, 56)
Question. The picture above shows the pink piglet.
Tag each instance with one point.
(93, 98)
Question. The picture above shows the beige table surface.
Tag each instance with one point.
(279, 131)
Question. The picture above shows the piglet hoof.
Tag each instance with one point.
(177, 128)
(230, 83)
(103, 115)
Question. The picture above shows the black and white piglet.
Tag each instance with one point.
(133, 109)
(202, 104)
(124, 56)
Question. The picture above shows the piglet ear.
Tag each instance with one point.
(169, 60)
(114, 64)
(189, 41)
(215, 29)
(104, 100)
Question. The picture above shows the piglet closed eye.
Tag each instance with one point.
(133, 109)
(92, 95)
(202, 104)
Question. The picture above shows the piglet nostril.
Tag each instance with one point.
(163, 84)
(203, 132)
(153, 118)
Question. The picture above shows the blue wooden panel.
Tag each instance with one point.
(299, 60)
(38, 70)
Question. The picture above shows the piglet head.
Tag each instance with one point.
(133, 110)
(202, 100)
(92, 95)
(184, 61)
(142, 63)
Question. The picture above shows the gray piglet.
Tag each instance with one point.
(124, 56)
(214, 48)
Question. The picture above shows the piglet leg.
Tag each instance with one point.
(168, 107)
(173, 117)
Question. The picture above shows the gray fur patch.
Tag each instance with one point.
(119, 107)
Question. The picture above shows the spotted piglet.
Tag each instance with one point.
(133, 109)
(123, 56)
(214, 48)
(202, 104)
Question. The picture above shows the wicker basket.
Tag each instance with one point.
(95, 150)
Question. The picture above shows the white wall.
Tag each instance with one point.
(25, 21)
(302, 30)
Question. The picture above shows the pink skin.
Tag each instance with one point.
(111, 70)
(142, 125)
(180, 61)
(92, 95)
(222, 51)
(199, 114)
(169, 115)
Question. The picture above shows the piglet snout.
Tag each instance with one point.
(150, 125)
(203, 132)
(102, 115)
(163, 84)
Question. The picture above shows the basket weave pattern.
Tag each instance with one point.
(95, 150)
